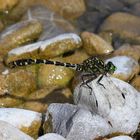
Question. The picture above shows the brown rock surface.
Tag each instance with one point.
(68, 9)
(40, 99)
(94, 44)
(128, 50)
(7, 4)
(124, 25)
(136, 82)
(58, 76)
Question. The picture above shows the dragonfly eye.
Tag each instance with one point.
(110, 67)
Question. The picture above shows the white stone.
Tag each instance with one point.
(9, 132)
(43, 44)
(118, 103)
(121, 138)
(61, 37)
(19, 117)
(76, 123)
(51, 136)
(25, 49)
(124, 64)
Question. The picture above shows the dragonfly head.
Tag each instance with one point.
(110, 67)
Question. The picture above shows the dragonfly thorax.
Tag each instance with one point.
(94, 65)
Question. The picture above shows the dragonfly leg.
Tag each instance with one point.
(83, 80)
(100, 80)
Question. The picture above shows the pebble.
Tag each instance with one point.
(45, 49)
(128, 50)
(127, 67)
(9, 132)
(27, 121)
(123, 25)
(39, 100)
(52, 23)
(95, 45)
(112, 103)
(12, 91)
(51, 136)
(68, 9)
(7, 5)
(19, 34)
(50, 75)
(120, 138)
(135, 82)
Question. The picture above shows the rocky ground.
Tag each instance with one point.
(47, 102)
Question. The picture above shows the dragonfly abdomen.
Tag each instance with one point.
(24, 62)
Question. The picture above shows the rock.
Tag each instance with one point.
(50, 75)
(120, 138)
(51, 136)
(18, 34)
(40, 99)
(136, 82)
(67, 9)
(123, 25)
(61, 44)
(76, 57)
(1, 26)
(96, 12)
(27, 121)
(75, 123)
(8, 132)
(128, 50)
(115, 104)
(127, 67)
(53, 24)
(94, 44)
(15, 85)
(135, 9)
(7, 5)
(129, 2)
(45, 49)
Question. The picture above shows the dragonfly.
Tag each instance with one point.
(91, 67)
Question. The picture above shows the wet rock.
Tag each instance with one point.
(8, 132)
(77, 57)
(27, 121)
(61, 44)
(6, 5)
(15, 85)
(136, 82)
(50, 75)
(51, 136)
(104, 6)
(19, 34)
(127, 67)
(66, 8)
(96, 12)
(115, 104)
(53, 24)
(128, 50)
(94, 44)
(40, 99)
(129, 2)
(124, 26)
(45, 49)
(1, 26)
(17, 12)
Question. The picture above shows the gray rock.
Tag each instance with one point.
(118, 103)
